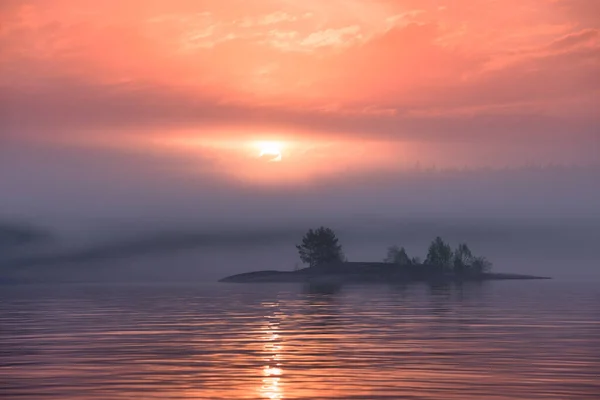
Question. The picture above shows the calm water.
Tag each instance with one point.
(498, 340)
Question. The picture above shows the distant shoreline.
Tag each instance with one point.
(368, 273)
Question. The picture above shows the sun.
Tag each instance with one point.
(271, 152)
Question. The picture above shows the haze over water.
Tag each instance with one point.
(495, 340)
(187, 140)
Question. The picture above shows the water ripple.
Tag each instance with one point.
(497, 340)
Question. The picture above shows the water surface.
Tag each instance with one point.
(495, 340)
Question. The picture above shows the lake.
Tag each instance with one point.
(490, 340)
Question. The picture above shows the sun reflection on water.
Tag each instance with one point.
(272, 370)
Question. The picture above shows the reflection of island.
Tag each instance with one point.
(321, 290)
(321, 306)
(320, 249)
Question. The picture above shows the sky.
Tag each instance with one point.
(122, 117)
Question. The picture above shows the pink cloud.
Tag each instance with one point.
(384, 68)
(583, 37)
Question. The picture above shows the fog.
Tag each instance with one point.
(120, 217)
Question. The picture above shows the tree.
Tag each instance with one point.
(396, 255)
(480, 265)
(463, 258)
(320, 246)
(439, 254)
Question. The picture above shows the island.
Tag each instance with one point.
(320, 249)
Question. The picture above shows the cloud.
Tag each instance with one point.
(345, 36)
(269, 19)
(428, 73)
(585, 12)
(575, 39)
(135, 117)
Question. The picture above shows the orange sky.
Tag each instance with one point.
(380, 83)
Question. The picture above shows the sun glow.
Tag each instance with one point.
(270, 151)
(285, 160)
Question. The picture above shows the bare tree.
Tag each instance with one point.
(397, 255)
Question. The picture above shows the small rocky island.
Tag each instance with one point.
(320, 249)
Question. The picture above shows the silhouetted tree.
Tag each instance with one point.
(415, 260)
(439, 254)
(463, 258)
(320, 246)
(396, 255)
(480, 265)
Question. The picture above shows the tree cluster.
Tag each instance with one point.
(321, 246)
(440, 254)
